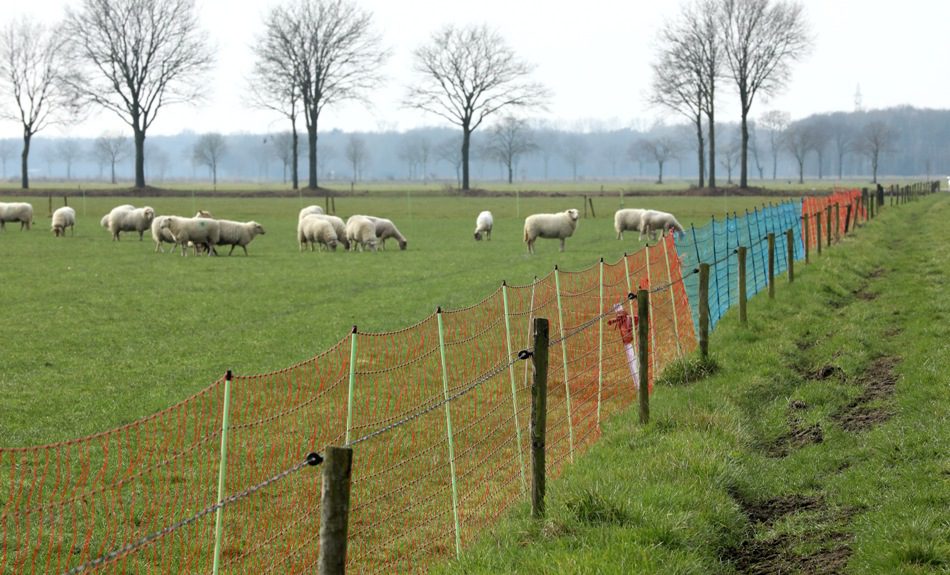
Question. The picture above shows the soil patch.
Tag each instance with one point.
(826, 372)
(866, 411)
(797, 436)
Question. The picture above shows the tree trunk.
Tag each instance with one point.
(312, 154)
(702, 150)
(710, 119)
(25, 160)
(510, 172)
(744, 150)
(466, 143)
(660, 178)
(113, 169)
(139, 156)
(801, 171)
(295, 161)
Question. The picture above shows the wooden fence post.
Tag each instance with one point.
(828, 231)
(703, 310)
(847, 219)
(335, 510)
(818, 231)
(837, 222)
(807, 239)
(789, 239)
(742, 289)
(772, 265)
(643, 331)
(539, 414)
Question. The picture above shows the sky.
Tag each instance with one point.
(594, 57)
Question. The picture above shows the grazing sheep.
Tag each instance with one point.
(338, 227)
(160, 235)
(238, 233)
(197, 230)
(64, 217)
(16, 212)
(483, 225)
(128, 218)
(552, 226)
(361, 232)
(316, 229)
(386, 229)
(652, 220)
(627, 219)
(304, 212)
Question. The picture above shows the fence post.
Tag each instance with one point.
(643, 312)
(335, 509)
(539, 415)
(222, 473)
(567, 386)
(600, 344)
(807, 240)
(837, 222)
(352, 385)
(448, 429)
(818, 231)
(591, 202)
(789, 238)
(703, 310)
(771, 265)
(828, 221)
(864, 203)
(514, 393)
(742, 289)
(847, 218)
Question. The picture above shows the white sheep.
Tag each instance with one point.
(160, 235)
(483, 225)
(316, 229)
(652, 220)
(627, 219)
(304, 212)
(237, 233)
(200, 231)
(552, 226)
(64, 217)
(128, 218)
(16, 212)
(339, 227)
(361, 232)
(386, 229)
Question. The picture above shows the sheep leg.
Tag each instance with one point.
(232, 250)
(562, 244)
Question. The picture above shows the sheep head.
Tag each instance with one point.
(574, 214)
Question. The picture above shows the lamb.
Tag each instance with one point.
(386, 229)
(361, 232)
(314, 229)
(652, 220)
(160, 235)
(16, 212)
(483, 225)
(237, 233)
(338, 227)
(304, 212)
(553, 226)
(64, 217)
(627, 219)
(197, 230)
(127, 218)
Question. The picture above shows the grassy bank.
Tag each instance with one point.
(820, 446)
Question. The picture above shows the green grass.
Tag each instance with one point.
(101, 333)
(720, 482)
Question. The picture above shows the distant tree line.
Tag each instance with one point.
(903, 141)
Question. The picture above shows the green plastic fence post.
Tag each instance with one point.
(643, 394)
(352, 385)
(567, 386)
(676, 323)
(448, 428)
(514, 393)
(222, 473)
(600, 344)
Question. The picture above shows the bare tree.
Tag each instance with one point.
(776, 122)
(134, 57)
(451, 152)
(660, 149)
(285, 147)
(842, 139)
(208, 151)
(875, 138)
(799, 139)
(469, 74)
(729, 157)
(685, 74)
(68, 150)
(357, 154)
(761, 38)
(574, 150)
(157, 162)
(31, 71)
(318, 52)
(416, 151)
(7, 149)
(110, 149)
(508, 140)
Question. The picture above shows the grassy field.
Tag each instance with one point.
(101, 333)
(820, 446)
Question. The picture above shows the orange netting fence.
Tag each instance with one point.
(437, 416)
